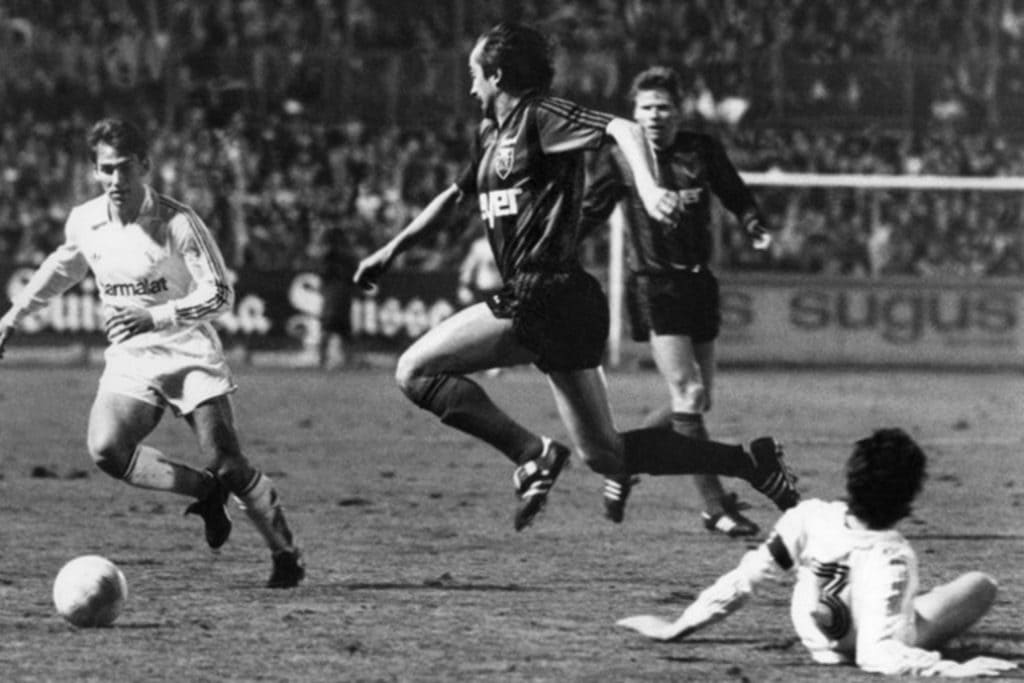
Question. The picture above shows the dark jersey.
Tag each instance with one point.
(696, 166)
(528, 175)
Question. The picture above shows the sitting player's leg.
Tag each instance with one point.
(213, 423)
(432, 372)
(948, 610)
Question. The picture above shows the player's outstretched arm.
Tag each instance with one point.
(726, 595)
(435, 215)
(6, 330)
(722, 598)
(58, 272)
(662, 205)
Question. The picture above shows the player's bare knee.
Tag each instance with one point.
(695, 397)
(235, 473)
(110, 457)
(983, 586)
(407, 371)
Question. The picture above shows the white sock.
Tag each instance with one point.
(261, 504)
(150, 469)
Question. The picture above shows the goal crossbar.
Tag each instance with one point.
(616, 249)
(890, 182)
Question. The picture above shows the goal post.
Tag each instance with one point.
(779, 179)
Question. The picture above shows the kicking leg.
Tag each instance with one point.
(582, 400)
(431, 373)
(117, 426)
(948, 610)
(213, 424)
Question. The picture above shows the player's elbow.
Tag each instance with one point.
(619, 126)
(227, 293)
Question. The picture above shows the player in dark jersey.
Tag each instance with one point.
(673, 295)
(527, 176)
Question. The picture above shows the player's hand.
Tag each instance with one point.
(759, 235)
(371, 268)
(464, 295)
(126, 322)
(656, 627)
(6, 330)
(662, 205)
(979, 666)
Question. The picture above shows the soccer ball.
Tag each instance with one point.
(90, 591)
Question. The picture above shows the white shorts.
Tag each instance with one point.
(181, 371)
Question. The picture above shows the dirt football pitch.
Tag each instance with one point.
(414, 570)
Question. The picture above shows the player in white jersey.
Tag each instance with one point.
(162, 280)
(856, 598)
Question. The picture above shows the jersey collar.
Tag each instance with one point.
(146, 209)
(512, 114)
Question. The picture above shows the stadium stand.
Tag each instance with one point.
(277, 120)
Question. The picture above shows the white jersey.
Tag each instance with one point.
(854, 595)
(853, 598)
(165, 261)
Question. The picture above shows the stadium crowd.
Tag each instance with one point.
(237, 96)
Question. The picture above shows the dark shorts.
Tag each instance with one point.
(682, 303)
(560, 316)
(336, 315)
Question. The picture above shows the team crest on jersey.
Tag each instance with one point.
(505, 157)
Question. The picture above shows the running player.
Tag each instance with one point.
(855, 598)
(527, 178)
(161, 280)
(673, 294)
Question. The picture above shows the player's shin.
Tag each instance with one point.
(150, 469)
(260, 502)
(461, 403)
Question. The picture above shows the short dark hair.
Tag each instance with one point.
(522, 53)
(658, 78)
(122, 135)
(884, 474)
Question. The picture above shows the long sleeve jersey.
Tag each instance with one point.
(696, 166)
(165, 261)
(853, 595)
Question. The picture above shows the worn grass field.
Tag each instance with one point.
(415, 572)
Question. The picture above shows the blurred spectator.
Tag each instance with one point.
(244, 98)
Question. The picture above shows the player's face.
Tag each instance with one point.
(483, 88)
(658, 115)
(120, 175)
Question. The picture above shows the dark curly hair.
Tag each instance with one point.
(884, 474)
(122, 135)
(523, 54)
(658, 78)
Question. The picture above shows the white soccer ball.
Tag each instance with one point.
(90, 591)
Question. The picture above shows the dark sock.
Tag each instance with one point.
(461, 403)
(690, 424)
(661, 452)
